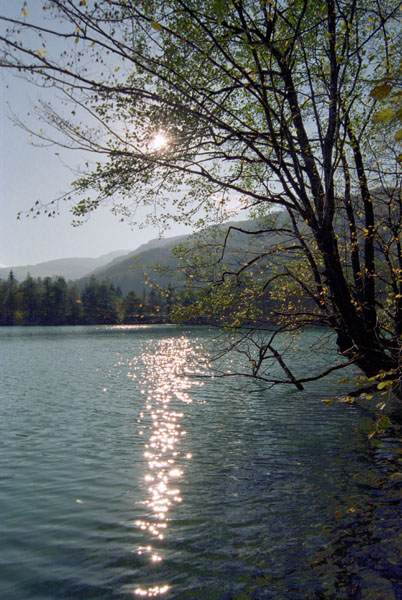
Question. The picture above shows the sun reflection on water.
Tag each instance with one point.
(165, 387)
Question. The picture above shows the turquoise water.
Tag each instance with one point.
(123, 476)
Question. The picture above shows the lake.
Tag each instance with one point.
(123, 475)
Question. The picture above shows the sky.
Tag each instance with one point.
(29, 173)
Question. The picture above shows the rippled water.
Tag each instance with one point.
(122, 476)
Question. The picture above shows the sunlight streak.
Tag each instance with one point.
(165, 390)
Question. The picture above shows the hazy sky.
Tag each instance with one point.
(29, 173)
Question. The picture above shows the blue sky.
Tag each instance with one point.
(29, 173)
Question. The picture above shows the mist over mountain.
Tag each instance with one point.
(69, 268)
(152, 263)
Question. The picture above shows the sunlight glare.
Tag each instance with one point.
(159, 142)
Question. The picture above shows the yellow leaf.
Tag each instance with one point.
(76, 40)
(384, 384)
(383, 115)
(24, 12)
(117, 68)
(398, 135)
(398, 114)
(381, 91)
(83, 3)
(156, 25)
(399, 158)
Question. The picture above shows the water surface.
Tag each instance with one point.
(122, 475)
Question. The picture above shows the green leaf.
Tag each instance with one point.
(381, 91)
(383, 115)
(156, 25)
(398, 114)
(398, 135)
(384, 422)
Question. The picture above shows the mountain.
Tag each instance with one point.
(154, 264)
(69, 268)
(131, 272)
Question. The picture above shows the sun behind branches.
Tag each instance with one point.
(159, 142)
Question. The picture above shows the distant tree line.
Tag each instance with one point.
(54, 301)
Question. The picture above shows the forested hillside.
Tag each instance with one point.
(164, 262)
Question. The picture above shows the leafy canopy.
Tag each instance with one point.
(270, 104)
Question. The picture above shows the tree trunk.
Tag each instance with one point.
(357, 339)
